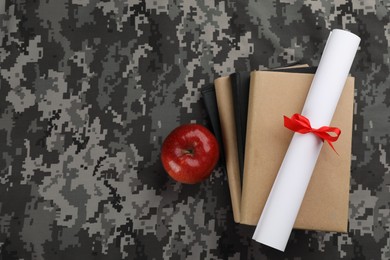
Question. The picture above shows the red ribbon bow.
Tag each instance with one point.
(301, 124)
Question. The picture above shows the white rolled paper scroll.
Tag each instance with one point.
(288, 190)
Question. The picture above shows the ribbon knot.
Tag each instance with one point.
(301, 124)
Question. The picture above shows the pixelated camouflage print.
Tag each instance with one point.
(89, 89)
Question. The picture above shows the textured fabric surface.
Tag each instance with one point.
(89, 90)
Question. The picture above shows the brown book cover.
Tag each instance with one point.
(273, 95)
(223, 91)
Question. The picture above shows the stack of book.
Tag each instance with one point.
(246, 111)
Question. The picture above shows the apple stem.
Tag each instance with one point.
(188, 151)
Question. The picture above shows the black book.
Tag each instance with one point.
(240, 89)
(210, 101)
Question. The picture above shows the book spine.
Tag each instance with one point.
(224, 95)
(245, 197)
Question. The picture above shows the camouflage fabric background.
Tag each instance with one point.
(89, 90)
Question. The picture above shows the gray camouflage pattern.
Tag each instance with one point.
(89, 89)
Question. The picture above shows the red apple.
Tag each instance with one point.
(190, 153)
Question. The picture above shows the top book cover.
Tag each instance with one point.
(273, 95)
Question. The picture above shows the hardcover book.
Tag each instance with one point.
(273, 95)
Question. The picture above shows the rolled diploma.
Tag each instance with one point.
(288, 190)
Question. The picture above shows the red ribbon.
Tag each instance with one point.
(301, 124)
